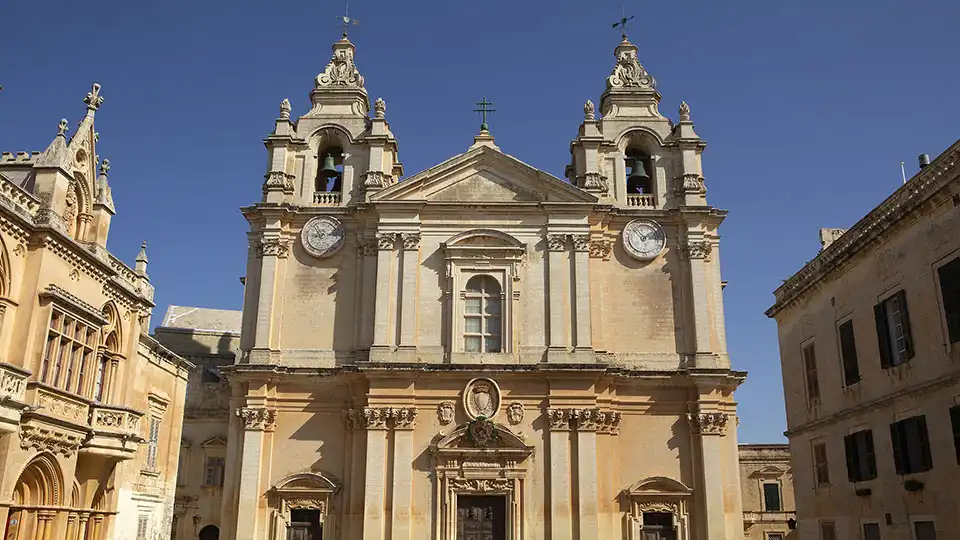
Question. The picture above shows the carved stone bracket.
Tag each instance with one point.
(381, 418)
(278, 180)
(697, 250)
(273, 247)
(713, 423)
(45, 439)
(258, 418)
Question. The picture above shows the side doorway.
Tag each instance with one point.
(305, 525)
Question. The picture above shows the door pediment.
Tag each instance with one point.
(483, 175)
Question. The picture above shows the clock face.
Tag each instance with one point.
(322, 236)
(643, 239)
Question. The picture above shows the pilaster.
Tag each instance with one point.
(581, 269)
(560, 511)
(256, 420)
(386, 245)
(587, 421)
(557, 302)
(697, 253)
(410, 245)
(708, 430)
(368, 290)
(271, 248)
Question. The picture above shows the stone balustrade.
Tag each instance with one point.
(641, 200)
(29, 204)
(115, 420)
(59, 404)
(327, 198)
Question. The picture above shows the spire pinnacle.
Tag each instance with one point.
(141, 266)
(93, 99)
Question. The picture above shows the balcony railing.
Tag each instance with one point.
(115, 420)
(768, 517)
(327, 198)
(641, 200)
(13, 390)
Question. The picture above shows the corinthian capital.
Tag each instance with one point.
(257, 418)
(710, 423)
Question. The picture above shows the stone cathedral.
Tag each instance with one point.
(482, 350)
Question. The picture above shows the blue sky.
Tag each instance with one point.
(807, 108)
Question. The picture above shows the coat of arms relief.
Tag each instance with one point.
(481, 398)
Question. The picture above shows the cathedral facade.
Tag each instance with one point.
(482, 350)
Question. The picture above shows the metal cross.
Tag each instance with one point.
(622, 23)
(346, 20)
(483, 110)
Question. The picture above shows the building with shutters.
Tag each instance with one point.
(90, 405)
(482, 349)
(869, 335)
(766, 482)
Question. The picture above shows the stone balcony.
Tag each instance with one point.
(641, 200)
(13, 389)
(66, 422)
(327, 198)
(758, 518)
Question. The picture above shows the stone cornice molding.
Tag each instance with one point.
(880, 223)
(258, 418)
(402, 418)
(66, 300)
(709, 423)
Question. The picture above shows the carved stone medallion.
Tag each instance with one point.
(481, 398)
(445, 411)
(643, 239)
(515, 412)
(322, 236)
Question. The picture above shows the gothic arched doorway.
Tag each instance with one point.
(210, 532)
(40, 484)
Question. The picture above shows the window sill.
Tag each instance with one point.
(150, 472)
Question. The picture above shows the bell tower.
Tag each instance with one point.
(335, 154)
(633, 156)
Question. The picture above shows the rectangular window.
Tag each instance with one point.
(893, 330)
(950, 291)
(771, 497)
(955, 422)
(871, 531)
(153, 443)
(827, 531)
(848, 354)
(911, 445)
(143, 523)
(810, 370)
(820, 466)
(69, 346)
(214, 472)
(924, 530)
(861, 459)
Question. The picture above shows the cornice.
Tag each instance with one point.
(887, 218)
(73, 303)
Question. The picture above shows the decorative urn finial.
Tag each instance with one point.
(379, 108)
(63, 128)
(589, 111)
(684, 112)
(285, 109)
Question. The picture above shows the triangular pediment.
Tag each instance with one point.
(483, 175)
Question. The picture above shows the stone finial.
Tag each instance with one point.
(628, 72)
(684, 112)
(141, 267)
(341, 71)
(93, 99)
(63, 128)
(105, 167)
(379, 108)
(285, 109)
(589, 111)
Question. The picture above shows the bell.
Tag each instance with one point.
(329, 168)
(639, 179)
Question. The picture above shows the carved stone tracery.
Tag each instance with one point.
(481, 485)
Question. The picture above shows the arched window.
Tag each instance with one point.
(482, 314)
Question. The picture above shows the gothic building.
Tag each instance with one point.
(482, 349)
(90, 405)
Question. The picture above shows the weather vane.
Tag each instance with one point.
(346, 20)
(483, 110)
(622, 23)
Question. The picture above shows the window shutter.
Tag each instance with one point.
(850, 447)
(926, 460)
(950, 292)
(905, 317)
(883, 335)
(848, 350)
(955, 422)
(895, 440)
(870, 457)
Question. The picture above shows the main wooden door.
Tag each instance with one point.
(481, 517)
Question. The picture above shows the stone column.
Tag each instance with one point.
(375, 421)
(556, 245)
(581, 269)
(403, 422)
(561, 524)
(586, 421)
(270, 249)
(697, 253)
(708, 429)
(71, 526)
(82, 529)
(381, 326)
(410, 243)
(255, 421)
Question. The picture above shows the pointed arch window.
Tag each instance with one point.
(482, 315)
